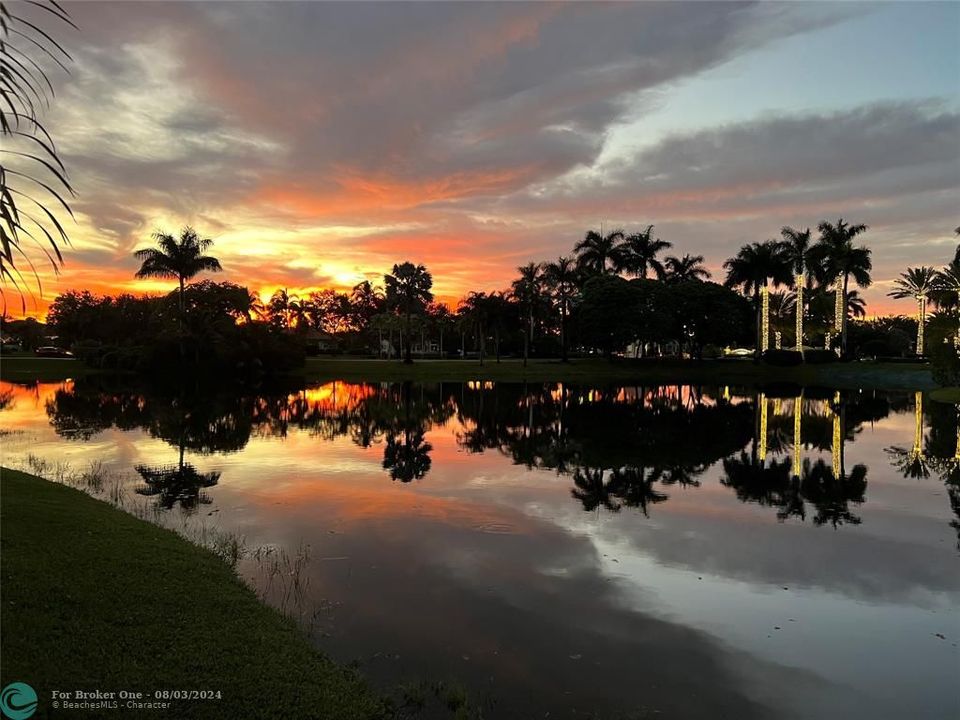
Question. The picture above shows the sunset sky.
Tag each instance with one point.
(320, 143)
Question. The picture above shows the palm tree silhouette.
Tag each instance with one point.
(41, 178)
(796, 246)
(561, 277)
(177, 259)
(638, 254)
(753, 267)
(837, 258)
(688, 267)
(527, 290)
(917, 283)
(598, 253)
(408, 290)
(593, 491)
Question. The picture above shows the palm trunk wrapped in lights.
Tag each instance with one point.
(921, 321)
(799, 310)
(797, 411)
(838, 310)
(765, 319)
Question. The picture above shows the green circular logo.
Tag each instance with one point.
(18, 701)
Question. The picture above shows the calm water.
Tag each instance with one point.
(697, 552)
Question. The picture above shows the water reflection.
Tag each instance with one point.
(544, 536)
(622, 447)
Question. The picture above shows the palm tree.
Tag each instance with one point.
(527, 290)
(280, 307)
(598, 253)
(178, 260)
(689, 267)
(917, 283)
(408, 290)
(838, 259)
(752, 269)
(33, 179)
(856, 305)
(638, 254)
(796, 246)
(561, 278)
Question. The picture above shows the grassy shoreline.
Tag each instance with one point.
(911, 376)
(879, 375)
(94, 598)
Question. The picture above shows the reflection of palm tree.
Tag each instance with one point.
(593, 491)
(407, 459)
(912, 463)
(831, 494)
(635, 487)
(177, 484)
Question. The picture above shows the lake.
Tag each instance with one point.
(668, 551)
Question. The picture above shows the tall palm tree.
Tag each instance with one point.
(408, 290)
(638, 254)
(527, 290)
(598, 253)
(475, 311)
(838, 259)
(688, 267)
(561, 277)
(917, 283)
(753, 267)
(796, 247)
(177, 259)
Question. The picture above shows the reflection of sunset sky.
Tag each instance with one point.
(483, 542)
(481, 137)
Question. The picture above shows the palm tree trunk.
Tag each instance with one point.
(496, 342)
(921, 321)
(441, 342)
(408, 356)
(463, 344)
(563, 330)
(843, 318)
(757, 305)
(482, 342)
(799, 312)
(180, 320)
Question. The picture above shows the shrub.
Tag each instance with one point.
(782, 358)
(712, 352)
(946, 363)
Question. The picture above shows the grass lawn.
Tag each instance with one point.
(587, 370)
(946, 395)
(96, 599)
(29, 368)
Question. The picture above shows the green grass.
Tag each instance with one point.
(946, 395)
(593, 370)
(94, 598)
(29, 368)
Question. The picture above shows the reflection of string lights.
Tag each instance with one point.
(479, 385)
(797, 412)
(763, 427)
(765, 324)
(917, 453)
(836, 448)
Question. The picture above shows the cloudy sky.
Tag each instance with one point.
(320, 143)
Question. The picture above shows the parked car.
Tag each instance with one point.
(51, 351)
